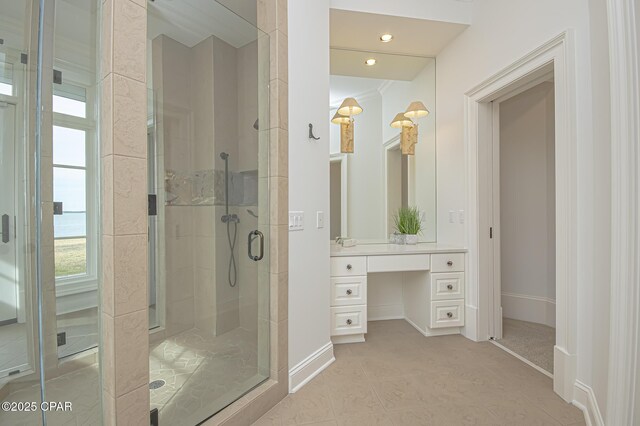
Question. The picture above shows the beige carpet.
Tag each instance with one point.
(532, 341)
(398, 377)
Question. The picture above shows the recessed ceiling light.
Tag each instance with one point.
(386, 38)
(370, 62)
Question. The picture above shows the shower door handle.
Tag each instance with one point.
(5, 228)
(252, 236)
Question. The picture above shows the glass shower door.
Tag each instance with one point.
(13, 331)
(209, 75)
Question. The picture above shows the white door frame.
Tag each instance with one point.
(389, 145)
(344, 179)
(623, 399)
(557, 54)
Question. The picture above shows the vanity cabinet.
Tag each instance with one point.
(446, 281)
(433, 287)
(348, 299)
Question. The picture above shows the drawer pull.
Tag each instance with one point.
(449, 287)
(349, 267)
(449, 262)
(449, 314)
(349, 322)
(349, 292)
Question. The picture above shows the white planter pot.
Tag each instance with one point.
(411, 239)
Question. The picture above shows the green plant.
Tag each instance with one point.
(407, 221)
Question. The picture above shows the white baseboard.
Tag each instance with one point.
(310, 367)
(470, 329)
(73, 302)
(349, 338)
(541, 310)
(385, 312)
(585, 399)
(564, 368)
(436, 332)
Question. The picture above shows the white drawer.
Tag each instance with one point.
(348, 320)
(447, 313)
(447, 262)
(398, 262)
(447, 285)
(347, 266)
(349, 291)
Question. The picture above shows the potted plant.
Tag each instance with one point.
(408, 224)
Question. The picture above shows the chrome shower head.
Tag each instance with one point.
(224, 155)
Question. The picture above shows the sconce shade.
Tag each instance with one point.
(346, 138)
(416, 110)
(350, 107)
(400, 121)
(340, 119)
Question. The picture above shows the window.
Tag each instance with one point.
(73, 146)
(6, 77)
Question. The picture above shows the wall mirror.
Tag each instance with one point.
(370, 184)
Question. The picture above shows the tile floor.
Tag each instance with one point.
(203, 373)
(532, 341)
(399, 377)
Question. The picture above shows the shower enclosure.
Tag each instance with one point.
(49, 211)
(208, 121)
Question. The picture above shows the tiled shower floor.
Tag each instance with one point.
(203, 373)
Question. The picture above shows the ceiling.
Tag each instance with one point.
(419, 37)
(388, 67)
(352, 87)
(191, 21)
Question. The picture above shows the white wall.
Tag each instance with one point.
(527, 205)
(308, 177)
(502, 31)
(527, 196)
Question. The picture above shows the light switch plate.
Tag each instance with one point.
(452, 216)
(296, 221)
(461, 216)
(320, 219)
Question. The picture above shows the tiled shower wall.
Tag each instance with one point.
(196, 119)
(124, 239)
(123, 125)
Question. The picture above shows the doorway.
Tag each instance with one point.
(524, 224)
(484, 306)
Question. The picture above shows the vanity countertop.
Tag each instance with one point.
(387, 249)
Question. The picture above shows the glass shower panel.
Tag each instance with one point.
(48, 261)
(19, 348)
(208, 71)
(70, 209)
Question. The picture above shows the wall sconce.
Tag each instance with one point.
(409, 133)
(344, 117)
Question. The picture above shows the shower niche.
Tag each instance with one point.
(207, 188)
